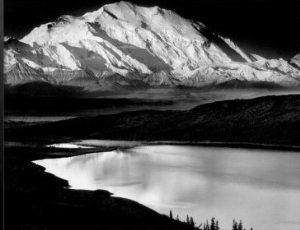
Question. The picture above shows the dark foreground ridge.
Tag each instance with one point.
(38, 200)
(266, 121)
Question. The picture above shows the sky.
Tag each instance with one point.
(270, 28)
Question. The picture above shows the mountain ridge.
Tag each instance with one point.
(122, 45)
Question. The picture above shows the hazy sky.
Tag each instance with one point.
(267, 27)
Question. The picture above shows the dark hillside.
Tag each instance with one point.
(272, 120)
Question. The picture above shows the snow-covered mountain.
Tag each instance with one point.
(122, 45)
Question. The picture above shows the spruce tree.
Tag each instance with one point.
(171, 215)
(192, 223)
(217, 225)
(187, 219)
(213, 225)
(240, 226)
(234, 225)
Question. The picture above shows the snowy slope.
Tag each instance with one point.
(123, 45)
(296, 60)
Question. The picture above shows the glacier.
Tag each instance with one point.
(124, 46)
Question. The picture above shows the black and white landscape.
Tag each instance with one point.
(186, 128)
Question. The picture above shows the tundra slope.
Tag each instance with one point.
(122, 46)
(271, 121)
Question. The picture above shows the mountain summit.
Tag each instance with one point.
(122, 45)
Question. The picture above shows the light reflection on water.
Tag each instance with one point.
(88, 144)
(69, 146)
(108, 143)
(260, 187)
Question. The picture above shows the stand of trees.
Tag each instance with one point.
(213, 225)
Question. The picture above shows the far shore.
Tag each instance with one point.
(230, 145)
(262, 123)
(69, 152)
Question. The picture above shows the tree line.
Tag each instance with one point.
(213, 225)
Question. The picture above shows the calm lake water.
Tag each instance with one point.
(259, 187)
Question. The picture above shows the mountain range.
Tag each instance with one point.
(122, 47)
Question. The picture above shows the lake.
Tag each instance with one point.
(259, 187)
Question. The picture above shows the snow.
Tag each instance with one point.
(148, 44)
(6, 38)
(236, 48)
(296, 60)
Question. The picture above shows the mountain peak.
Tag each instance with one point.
(122, 4)
(125, 11)
(113, 8)
(65, 19)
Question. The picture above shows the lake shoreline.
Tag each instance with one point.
(243, 167)
(230, 145)
(36, 199)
